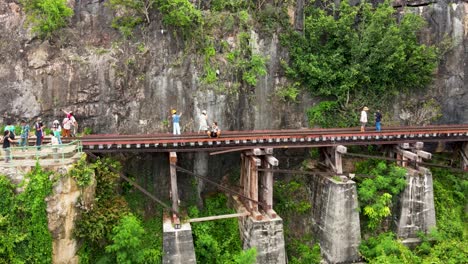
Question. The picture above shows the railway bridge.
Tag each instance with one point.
(337, 220)
(334, 209)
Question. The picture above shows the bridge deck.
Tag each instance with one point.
(231, 140)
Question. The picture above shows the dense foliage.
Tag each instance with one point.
(357, 55)
(448, 243)
(291, 203)
(218, 241)
(375, 195)
(24, 233)
(110, 232)
(46, 16)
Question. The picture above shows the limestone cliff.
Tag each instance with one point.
(129, 86)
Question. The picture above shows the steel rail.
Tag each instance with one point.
(283, 131)
(272, 133)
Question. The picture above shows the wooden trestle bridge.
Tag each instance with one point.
(257, 161)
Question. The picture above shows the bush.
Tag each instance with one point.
(46, 16)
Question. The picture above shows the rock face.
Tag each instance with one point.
(130, 86)
(417, 212)
(336, 218)
(62, 209)
(448, 29)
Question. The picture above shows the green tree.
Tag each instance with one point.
(46, 16)
(375, 195)
(24, 233)
(127, 238)
(358, 55)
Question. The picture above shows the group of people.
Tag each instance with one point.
(363, 119)
(212, 131)
(69, 126)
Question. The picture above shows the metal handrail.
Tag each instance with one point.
(57, 151)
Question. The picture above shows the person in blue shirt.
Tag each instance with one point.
(378, 119)
(24, 133)
(175, 122)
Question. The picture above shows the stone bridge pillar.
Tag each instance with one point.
(416, 205)
(263, 229)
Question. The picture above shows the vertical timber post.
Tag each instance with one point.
(332, 157)
(464, 156)
(174, 189)
(266, 185)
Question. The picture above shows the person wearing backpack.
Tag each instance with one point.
(57, 130)
(7, 144)
(39, 131)
(10, 128)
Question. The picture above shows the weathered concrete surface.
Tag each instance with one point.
(335, 218)
(266, 236)
(417, 212)
(178, 244)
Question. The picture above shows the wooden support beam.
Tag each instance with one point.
(268, 151)
(423, 154)
(218, 217)
(266, 186)
(338, 159)
(418, 145)
(253, 183)
(409, 155)
(464, 156)
(341, 149)
(174, 189)
(271, 160)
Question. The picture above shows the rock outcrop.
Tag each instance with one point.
(114, 85)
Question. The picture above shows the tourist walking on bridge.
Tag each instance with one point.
(378, 119)
(175, 122)
(203, 120)
(364, 118)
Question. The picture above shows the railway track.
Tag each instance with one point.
(271, 138)
(276, 133)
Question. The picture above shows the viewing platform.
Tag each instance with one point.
(48, 155)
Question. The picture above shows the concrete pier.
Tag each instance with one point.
(336, 219)
(266, 236)
(416, 208)
(178, 244)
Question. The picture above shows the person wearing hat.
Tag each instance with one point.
(57, 130)
(175, 122)
(203, 122)
(39, 129)
(363, 118)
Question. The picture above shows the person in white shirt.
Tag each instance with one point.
(364, 118)
(203, 120)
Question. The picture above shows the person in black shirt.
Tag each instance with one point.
(39, 128)
(378, 119)
(6, 145)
